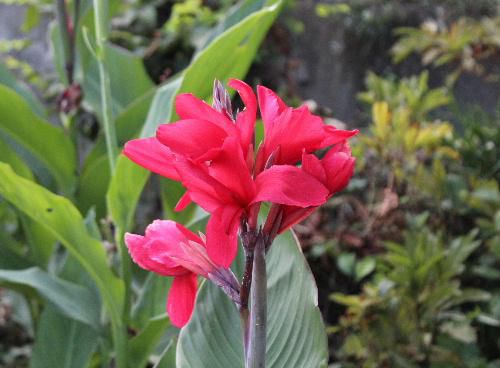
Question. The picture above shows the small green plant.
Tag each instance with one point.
(466, 43)
(412, 305)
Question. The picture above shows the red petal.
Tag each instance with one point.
(181, 298)
(139, 249)
(230, 169)
(222, 235)
(183, 202)
(204, 190)
(152, 155)
(289, 185)
(313, 166)
(165, 237)
(188, 106)
(334, 135)
(294, 131)
(339, 169)
(170, 232)
(192, 138)
(293, 215)
(245, 120)
(271, 106)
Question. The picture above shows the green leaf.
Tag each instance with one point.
(47, 143)
(346, 262)
(92, 186)
(128, 79)
(31, 18)
(10, 157)
(63, 220)
(152, 299)
(92, 191)
(167, 358)
(295, 337)
(9, 80)
(41, 242)
(129, 179)
(62, 342)
(11, 255)
(70, 299)
(364, 267)
(142, 345)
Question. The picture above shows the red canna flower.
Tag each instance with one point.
(169, 249)
(292, 130)
(212, 153)
(334, 170)
(226, 189)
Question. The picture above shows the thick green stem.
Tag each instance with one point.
(101, 34)
(256, 352)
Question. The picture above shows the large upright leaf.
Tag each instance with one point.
(142, 345)
(151, 301)
(12, 256)
(129, 179)
(72, 300)
(63, 220)
(127, 75)
(62, 342)
(8, 79)
(95, 176)
(228, 56)
(9, 156)
(296, 335)
(41, 242)
(47, 143)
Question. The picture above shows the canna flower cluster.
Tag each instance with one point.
(213, 153)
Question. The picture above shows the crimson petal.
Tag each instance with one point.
(152, 155)
(181, 298)
(289, 185)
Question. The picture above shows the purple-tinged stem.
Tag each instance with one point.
(256, 350)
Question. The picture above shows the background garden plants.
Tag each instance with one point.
(406, 259)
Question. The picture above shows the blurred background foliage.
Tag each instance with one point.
(407, 259)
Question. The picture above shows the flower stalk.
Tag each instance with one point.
(256, 351)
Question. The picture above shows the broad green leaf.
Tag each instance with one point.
(236, 14)
(41, 242)
(9, 80)
(142, 345)
(10, 157)
(228, 56)
(70, 299)
(47, 143)
(92, 186)
(295, 337)
(64, 221)
(129, 179)
(167, 358)
(127, 75)
(62, 342)
(91, 192)
(128, 124)
(11, 254)
(152, 299)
